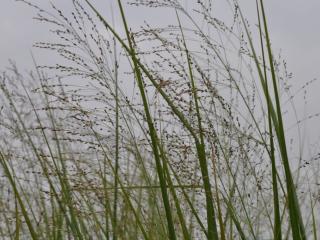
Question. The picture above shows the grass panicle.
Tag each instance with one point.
(155, 131)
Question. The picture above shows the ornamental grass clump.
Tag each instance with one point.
(155, 132)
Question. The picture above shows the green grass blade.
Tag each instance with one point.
(212, 226)
(277, 220)
(298, 231)
(25, 214)
(153, 134)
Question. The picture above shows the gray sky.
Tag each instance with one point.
(294, 27)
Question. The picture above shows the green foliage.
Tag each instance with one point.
(172, 132)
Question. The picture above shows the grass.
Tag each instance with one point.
(172, 132)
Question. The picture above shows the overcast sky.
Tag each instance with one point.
(294, 28)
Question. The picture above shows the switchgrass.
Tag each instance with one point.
(172, 132)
